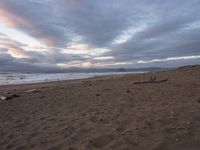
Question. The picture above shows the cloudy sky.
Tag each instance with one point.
(99, 33)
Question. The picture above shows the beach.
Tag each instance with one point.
(104, 113)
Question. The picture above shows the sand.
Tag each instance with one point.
(104, 113)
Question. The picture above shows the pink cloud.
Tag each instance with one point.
(12, 47)
(50, 40)
(14, 51)
(14, 19)
(17, 52)
(11, 19)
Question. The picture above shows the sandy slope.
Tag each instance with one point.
(104, 113)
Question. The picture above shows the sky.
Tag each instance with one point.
(98, 33)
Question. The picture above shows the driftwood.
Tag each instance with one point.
(151, 80)
(4, 98)
(33, 91)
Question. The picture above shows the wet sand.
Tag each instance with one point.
(104, 113)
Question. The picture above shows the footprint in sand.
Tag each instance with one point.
(21, 147)
(56, 147)
(102, 141)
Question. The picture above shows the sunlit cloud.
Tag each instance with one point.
(12, 47)
(169, 59)
(13, 17)
(18, 53)
(127, 34)
(112, 64)
(19, 36)
(104, 58)
(77, 64)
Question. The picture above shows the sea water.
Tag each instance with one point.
(22, 78)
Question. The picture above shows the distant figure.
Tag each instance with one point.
(46, 80)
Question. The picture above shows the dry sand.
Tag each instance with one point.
(110, 113)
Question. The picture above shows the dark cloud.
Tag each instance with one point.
(4, 58)
(98, 22)
(169, 37)
(51, 58)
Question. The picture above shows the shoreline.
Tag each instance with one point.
(84, 78)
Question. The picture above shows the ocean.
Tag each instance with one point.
(23, 78)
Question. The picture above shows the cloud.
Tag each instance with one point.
(13, 51)
(12, 47)
(165, 38)
(4, 57)
(169, 59)
(97, 23)
(34, 18)
(85, 31)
